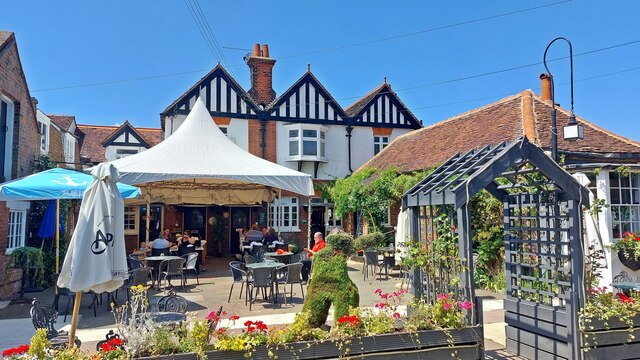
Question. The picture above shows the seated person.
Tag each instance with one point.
(272, 237)
(254, 234)
(306, 263)
(143, 246)
(186, 243)
(160, 243)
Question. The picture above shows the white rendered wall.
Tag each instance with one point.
(237, 131)
(110, 151)
(362, 144)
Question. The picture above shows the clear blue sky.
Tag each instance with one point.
(68, 43)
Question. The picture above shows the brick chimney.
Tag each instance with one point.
(261, 66)
(546, 86)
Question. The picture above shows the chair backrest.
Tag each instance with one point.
(297, 257)
(262, 277)
(293, 275)
(135, 264)
(158, 252)
(172, 303)
(371, 257)
(172, 266)
(140, 276)
(248, 259)
(190, 260)
(44, 317)
(284, 247)
(257, 251)
(238, 271)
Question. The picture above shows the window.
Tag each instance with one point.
(44, 137)
(16, 236)
(69, 149)
(379, 143)
(285, 218)
(307, 142)
(6, 138)
(130, 220)
(387, 220)
(120, 153)
(625, 203)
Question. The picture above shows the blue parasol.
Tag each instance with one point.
(48, 226)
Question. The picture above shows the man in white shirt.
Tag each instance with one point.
(160, 242)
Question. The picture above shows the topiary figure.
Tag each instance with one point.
(369, 241)
(331, 283)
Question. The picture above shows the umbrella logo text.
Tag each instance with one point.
(67, 180)
(101, 242)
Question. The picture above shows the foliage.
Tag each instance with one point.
(300, 330)
(449, 313)
(384, 316)
(597, 205)
(370, 191)
(39, 344)
(623, 170)
(27, 258)
(606, 306)
(331, 282)
(134, 323)
(367, 241)
(488, 241)
(630, 245)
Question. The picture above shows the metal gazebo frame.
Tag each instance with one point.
(543, 240)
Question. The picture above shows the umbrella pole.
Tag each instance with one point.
(148, 220)
(57, 238)
(309, 223)
(279, 213)
(74, 318)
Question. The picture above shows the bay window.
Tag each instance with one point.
(306, 142)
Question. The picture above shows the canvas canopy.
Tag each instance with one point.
(198, 164)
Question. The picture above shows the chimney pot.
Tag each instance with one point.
(256, 50)
(265, 50)
(546, 86)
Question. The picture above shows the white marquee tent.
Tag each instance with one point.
(198, 164)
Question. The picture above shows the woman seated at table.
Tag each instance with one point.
(271, 237)
(186, 243)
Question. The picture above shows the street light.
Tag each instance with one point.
(573, 131)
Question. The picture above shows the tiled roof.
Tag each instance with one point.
(504, 120)
(95, 135)
(62, 121)
(355, 108)
(4, 36)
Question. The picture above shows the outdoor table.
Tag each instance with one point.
(388, 258)
(266, 264)
(166, 317)
(281, 258)
(626, 285)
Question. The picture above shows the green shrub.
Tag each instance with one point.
(341, 242)
(367, 241)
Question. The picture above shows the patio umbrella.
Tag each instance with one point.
(402, 235)
(96, 259)
(56, 184)
(48, 225)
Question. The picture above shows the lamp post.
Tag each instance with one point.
(573, 131)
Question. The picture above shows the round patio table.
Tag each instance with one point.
(262, 265)
(166, 317)
(388, 258)
(281, 258)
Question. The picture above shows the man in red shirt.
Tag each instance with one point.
(306, 263)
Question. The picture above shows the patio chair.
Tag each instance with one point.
(248, 259)
(291, 276)
(370, 261)
(263, 278)
(172, 303)
(140, 276)
(70, 299)
(45, 317)
(134, 263)
(169, 268)
(190, 264)
(240, 276)
(297, 257)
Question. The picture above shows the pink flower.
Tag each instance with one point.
(378, 291)
(465, 304)
(396, 315)
(447, 306)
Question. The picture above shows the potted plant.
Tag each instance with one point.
(628, 250)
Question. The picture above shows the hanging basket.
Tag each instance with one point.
(632, 263)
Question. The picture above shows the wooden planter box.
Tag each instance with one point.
(435, 344)
(610, 341)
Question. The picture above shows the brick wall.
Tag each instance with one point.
(261, 79)
(26, 140)
(255, 139)
(56, 149)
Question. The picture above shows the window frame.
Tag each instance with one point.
(625, 213)
(17, 209)
(379, 143)
(287, 206)
(296, 135)
(136, 218)
(8, 145)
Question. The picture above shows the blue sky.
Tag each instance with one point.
(67, 43)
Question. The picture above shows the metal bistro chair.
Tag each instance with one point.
(257, 251)
(240, 276)
(45, 317)
(140, 276)
(370, 261)
(291, 276)
(263, 278)
(190, 261)
(248, 259)
(134, 263)
(169, 268)
(159, 252)
(172, 303)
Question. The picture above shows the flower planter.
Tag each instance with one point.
(630, 262)
(610, 340)
(436, 344)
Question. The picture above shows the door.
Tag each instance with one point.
(317, 221)
(239, 219)
(194, 220)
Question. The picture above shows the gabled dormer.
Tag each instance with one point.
(221, 93)
(126, 135)
(382, 108)
(307, 101)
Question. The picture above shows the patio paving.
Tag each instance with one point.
(213, 292)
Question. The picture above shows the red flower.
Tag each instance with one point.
(234, 318)
(111, 345)
(624, 298)
(16, 350)
(248, 322)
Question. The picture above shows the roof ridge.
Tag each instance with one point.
(592, 125)
(365, 96)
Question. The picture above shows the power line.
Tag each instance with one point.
(210, 32)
